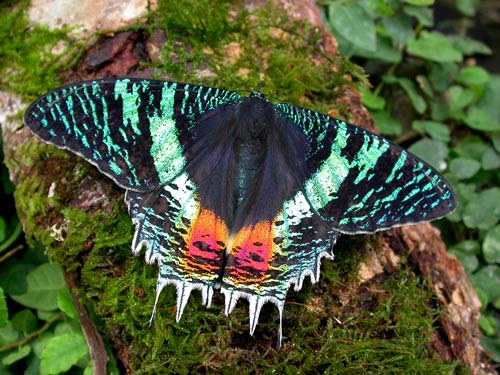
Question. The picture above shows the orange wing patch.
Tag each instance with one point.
(205, 244)
(251, 254)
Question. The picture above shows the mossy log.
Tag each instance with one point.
(393, 302)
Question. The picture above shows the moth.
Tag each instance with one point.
(236, 193)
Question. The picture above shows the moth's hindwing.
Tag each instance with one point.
(360, 182)
(134, 131)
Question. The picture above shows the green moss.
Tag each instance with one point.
(383, 331)
(31, 56)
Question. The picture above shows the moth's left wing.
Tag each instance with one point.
(184, 238)
(135, 131)
(359, 182)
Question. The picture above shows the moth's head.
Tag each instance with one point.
(254, 116)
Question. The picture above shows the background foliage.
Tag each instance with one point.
(429, 95)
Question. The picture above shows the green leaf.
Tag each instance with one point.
(488, 279)
(16, 355)
(385, 51)
(467, 7)
(3, 229)
(8, 335)
(411, 90)
(24, 321)
(441, 75)
(437, 130)
(488, 325)
(469, 262)
(490, 99)
(464, 168)
(352, 22)
(490, 159)
(422, 14)
(467, 247)
(483, 211)
(495, 139)
(420, 3)
(432, 151)
(491, 245)
(65, 303)
(473, 75)
(478, 119)
(491, 345)
(428, 44)
(62, 352)
(4, 313)
(386, 123)
(399, 28)
(43, 284)
(458, 98)
(471, 147)
(470, 46)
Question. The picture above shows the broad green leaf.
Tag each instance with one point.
(385, 51)
(13, 280)
(352, 22)
(420, 3)
(386, 123)
(466, 252)
(467, 247)
(437, 130)
(424, 15)
(495, 139)
(16, 355)
(43, 284)
(478, 119)
(441, 75)
(488, 325)
(434, 47)
(66, 304)
(399, 28)
(432, 151)
(469, 46)
(4, 313)
(370, 100)
(490, 159)
(483, 211)
(464, 168)
(62, 352)
(490, 99)
(469, 262)
(491, 245)
(410, 89)
(471, 147)
(24, 321)
(473, 75)
(488, 280)
(8, 335)
(458, 98)
(3, 229)
(467, 7)
(491, 345)
(439, 110)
